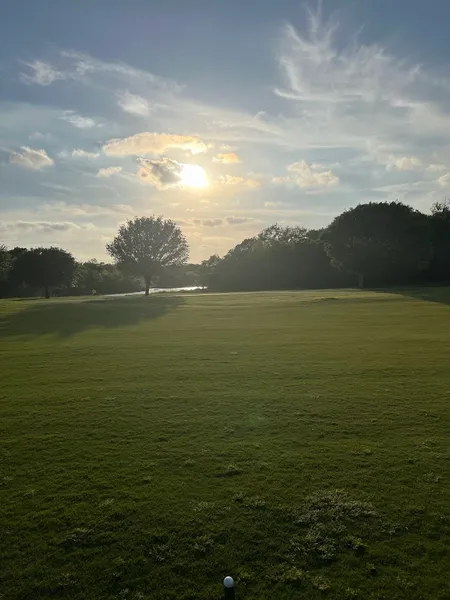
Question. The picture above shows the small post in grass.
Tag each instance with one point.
(228, 588)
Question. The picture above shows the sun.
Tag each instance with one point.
(193, 176)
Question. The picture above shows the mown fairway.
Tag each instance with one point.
(297, 441)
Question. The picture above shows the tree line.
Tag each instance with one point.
(371, 245)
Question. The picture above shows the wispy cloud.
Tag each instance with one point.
(38, 136)
(39, 226)
(220, 221)
(81, 66)
(77, 120)
(241, 182)
(79, 153)
(435, 168)
(31, 159)
(361, 97)
(133, 104)
(41, 73)
(306, 176)
(227, 158)
(238, 220)
(153, 143)
(74, 211)
(108, 171)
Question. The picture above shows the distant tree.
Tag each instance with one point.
(44, 268)
(5, 261)
(103, 278)
(440, 224)
(147, 245)
(17, 251)
(381, 242)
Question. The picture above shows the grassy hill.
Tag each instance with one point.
(297, 441)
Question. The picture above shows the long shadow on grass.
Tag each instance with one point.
(66, 317)
(437, 294)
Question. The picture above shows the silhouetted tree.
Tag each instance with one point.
(440, 224)
(147, 245)
(278, 258)
(5, 261)
(103, 278)
(385, 242)
(43, 268)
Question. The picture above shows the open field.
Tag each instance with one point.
(297, 441)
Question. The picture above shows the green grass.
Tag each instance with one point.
(297, 441)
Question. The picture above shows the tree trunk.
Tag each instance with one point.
(360, 281)
(46, 292)
(148, 280)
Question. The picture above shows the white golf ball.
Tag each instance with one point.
(228, 582)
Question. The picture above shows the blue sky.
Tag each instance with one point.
(224, 116)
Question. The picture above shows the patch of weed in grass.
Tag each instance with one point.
(230, 471)
(239, 497)
(78, 537)
(327, 519)
(432, 478)
(203, 506)
(287, 574)
(203, 545)
(255, 502)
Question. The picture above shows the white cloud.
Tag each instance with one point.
(404, 163)
(31, 159)
(78, 153)
(444, 181)
(41, 73)
(133, 104)
(77, 120)
(153, 143)
(227, 158)
(306, 176)
(108, 171)
(435, 168)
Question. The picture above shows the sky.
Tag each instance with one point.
(224, 116)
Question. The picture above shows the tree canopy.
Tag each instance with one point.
(44, 268)
(380, 242)
(146, 245)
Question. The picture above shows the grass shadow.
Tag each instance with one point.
(438, 294)
(68, 317)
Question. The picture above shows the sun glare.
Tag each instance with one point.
(193, 176)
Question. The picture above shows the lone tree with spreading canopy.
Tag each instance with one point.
(146, 245)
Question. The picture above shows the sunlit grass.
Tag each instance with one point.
(297, 441)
